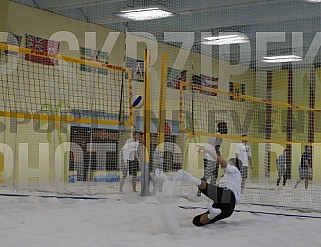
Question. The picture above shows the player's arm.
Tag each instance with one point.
(217, 149)
(222, 162)
(213, 153)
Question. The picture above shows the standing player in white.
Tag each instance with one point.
(243, 153)
(225, 196)
(211, 166)
(131, 159)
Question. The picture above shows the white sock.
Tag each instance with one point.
(186, 177)
(213, 211)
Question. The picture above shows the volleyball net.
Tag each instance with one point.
(64, 121)
(269, 127)
(61, 118)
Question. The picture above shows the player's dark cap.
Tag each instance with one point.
(222, 127)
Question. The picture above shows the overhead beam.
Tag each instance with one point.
(72, 4)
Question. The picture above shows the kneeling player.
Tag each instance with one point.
(225, 196)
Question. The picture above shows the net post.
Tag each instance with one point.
(162, 101)
(146, 126)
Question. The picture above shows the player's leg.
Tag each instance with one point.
(207, 172)
(199, 219)
(209, 190)
(284, 180)
(216, 194)
(309, 176)
(158, 180)
(284, 177)
(278, 180)
(184, 176)
(279, 176)
(122, 182)
(214, 174)
(123, 177)
(297, 183)
(208, 169)
(306, 183)
(244, 172)
(134, 181)
(302, 173)
(202, 219)
(204, 176)
(133, 168)
(210, 172)
(213, 210)
(205, 218)
(217, 211)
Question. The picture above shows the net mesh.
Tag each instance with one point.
(275, 104)
(63, 120)
(266, 125)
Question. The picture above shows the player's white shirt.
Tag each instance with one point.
(130, 149)
(214, 141)
(232, 179)
(244, 152)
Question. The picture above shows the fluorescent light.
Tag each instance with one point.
(282, 59)
(144, 14)
(313, 1)
(231, 36)
(225, 40)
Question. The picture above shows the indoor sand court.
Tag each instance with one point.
(69, 71)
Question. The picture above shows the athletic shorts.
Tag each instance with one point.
(244, 171)
(133, 167)
(305, 172)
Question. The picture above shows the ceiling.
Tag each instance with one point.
(246, 16)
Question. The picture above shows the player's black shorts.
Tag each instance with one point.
(133, 167)
(305, 172)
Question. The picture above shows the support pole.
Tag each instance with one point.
(146, 126)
